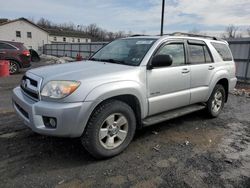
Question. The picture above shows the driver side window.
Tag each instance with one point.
(176, 51)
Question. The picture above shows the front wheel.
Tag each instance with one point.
(216, 101)
(110, 129)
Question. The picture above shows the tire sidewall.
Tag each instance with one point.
(114, 107)
(217, 88)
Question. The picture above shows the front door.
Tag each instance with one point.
(169, 87)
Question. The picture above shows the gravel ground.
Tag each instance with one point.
(190, 151)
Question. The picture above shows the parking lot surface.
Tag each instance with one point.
(190, 151)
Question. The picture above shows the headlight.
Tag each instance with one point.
(59, 89)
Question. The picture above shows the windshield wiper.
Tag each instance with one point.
(115, 61)
(109, 60)
(95, 59)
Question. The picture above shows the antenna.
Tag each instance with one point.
(162, 16)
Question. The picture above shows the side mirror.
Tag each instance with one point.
(161, 61)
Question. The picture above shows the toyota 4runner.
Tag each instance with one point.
(128, 84)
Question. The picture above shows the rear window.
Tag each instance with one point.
(223, 50)
(199, 54)
(4, 46)
(20, 46)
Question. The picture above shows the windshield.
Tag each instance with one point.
(124, 51)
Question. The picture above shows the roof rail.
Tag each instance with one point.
(137, 35)
(193, 35)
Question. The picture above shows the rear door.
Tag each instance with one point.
(169, 87)
(7, 50)
(202, 69)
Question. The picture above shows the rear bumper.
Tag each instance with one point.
(25, 61)
(71, 117)
(26, 65)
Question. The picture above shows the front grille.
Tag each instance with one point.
(30, 93)
(30, 85)
(32, 82)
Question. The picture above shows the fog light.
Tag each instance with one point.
(49, 122)
(52, 122)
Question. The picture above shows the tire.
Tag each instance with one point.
(14, 67)
(216, 101)
(110, 129)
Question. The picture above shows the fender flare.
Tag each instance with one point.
(114, 89)
(219, 75)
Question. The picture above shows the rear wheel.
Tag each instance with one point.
(14, 67)
(216, 101)
(110, 129)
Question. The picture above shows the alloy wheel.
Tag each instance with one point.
(113, 131)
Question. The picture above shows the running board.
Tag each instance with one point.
(172, 114)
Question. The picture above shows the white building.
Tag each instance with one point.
(22, 30)
(34, 36)
(64, 36)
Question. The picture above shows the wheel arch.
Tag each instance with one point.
(220, 77)
(13, 59)
(130, 100)
(225, 83)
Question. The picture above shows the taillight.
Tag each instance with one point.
(26, 53)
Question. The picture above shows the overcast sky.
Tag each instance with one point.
(135, 15)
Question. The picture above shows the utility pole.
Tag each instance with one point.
(162, 16)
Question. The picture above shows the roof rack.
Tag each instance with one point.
(137, 35)
(193, 35)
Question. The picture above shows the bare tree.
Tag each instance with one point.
(110, 36)
(94, 31)
(231, 31)
(119, 34)
(44, 23)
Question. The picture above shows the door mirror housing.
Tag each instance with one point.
(161, 61)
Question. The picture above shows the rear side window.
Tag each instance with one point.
(4, 46)
(199, 54)
(223, 50)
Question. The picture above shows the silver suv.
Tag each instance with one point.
(129, 84)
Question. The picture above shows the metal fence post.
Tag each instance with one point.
(247, 66)
(79, 49)
(90, 50)
(63, 49)
(71, 51)
(43, 51)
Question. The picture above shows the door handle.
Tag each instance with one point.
(2, 52)
(185, 70)
(210, 67)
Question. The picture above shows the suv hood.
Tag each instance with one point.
(90, 71)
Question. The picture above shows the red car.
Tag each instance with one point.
(16, 53)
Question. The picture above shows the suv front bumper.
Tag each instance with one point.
(71, 117)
